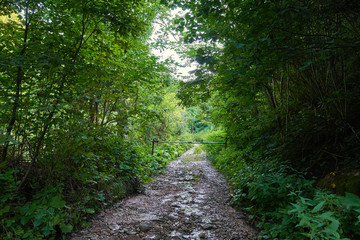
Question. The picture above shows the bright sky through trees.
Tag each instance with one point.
(167, 52)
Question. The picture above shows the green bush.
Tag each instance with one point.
(323, 216)
(282, 201)
(39, 218)
(149, 165)
(92, 169)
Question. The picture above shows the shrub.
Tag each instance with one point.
(282, 201)
(41, 217)
(92, 169)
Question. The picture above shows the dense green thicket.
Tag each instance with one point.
(281, 79)
(285, 67)
(281, 200)
(80, 99)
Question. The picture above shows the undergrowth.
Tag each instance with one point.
(108, 169)
(283, 202)
(198, 150)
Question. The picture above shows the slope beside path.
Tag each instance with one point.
(189, 201)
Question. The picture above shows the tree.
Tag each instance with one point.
(282, 66)
(52, 52)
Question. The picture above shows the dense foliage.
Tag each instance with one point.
(281, 79)
(287, 66)
(81, 97)
(282, 202)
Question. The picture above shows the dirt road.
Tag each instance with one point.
(189, 201)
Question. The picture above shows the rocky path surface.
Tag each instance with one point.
(189, 201)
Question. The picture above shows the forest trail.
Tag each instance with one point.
(189, 201)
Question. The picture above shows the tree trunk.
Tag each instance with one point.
(18, 80)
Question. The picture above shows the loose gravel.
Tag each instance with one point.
(189, 201)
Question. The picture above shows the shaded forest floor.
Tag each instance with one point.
(189, 201)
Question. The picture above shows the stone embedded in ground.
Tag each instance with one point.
(144, 227)
(132, 237)
(188, 200)
(202, 235)
(114, 227)
(208, 226)
(130, 232)
(175, 204)
(173, 216)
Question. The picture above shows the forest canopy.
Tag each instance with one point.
(82, 97)
(281, 79)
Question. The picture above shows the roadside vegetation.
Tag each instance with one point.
(280, 81)
(82, 97)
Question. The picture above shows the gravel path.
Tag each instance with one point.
(189, 201)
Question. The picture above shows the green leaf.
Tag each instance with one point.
(38, 220)
(318, 207)
(57, 202)
(334, 225)
(24, 220)
(6, 209)
(10, 222)
(304, 200)
(90, 210)
(326, 215)
(47, 229)
(27, 234)
(351, 200)
(239, 45)
(66, 228)
(303, 222)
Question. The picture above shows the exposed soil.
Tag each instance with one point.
(189, 201)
